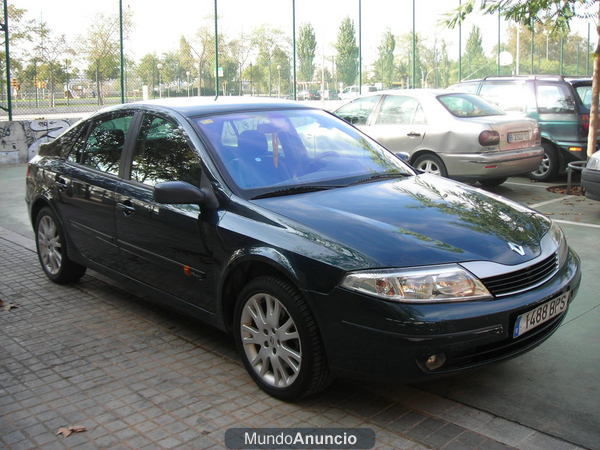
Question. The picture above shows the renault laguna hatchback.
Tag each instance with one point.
(321, 252)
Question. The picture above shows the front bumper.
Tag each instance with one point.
(493, 164)
(366, 337)
(590, 180)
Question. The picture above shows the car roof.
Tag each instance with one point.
(197, 106)
(421, 92)
(546, 77)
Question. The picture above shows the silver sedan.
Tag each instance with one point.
(452, 134)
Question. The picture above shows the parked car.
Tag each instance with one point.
(450, 134)
(308, 94)
(351, 92)
(560, 105)
(590, 177)
(320, 251)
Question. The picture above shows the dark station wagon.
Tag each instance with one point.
(321, 252)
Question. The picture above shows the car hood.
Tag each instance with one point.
(416, 221)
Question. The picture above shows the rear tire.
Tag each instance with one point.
(549, 166)
(492, 182)
(278, 340)
(430, 163)
(52, 249)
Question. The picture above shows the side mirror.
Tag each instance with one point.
(182, 193)
(405, 157)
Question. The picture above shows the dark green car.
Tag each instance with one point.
(561, 106)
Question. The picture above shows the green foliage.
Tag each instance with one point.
(384, 66)
(307, 44)
(347, 52)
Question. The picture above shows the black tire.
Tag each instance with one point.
(52, 252)
(549, 166)
(492, 182)
(311, 374)
(427, 161)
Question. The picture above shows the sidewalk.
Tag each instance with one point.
(136, 376)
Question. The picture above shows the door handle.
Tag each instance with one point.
(413, 134)
(61, 183)
(126, 207)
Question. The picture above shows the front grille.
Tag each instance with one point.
(524, 279)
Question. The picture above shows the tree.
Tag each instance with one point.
(474, 58)
(307, 44)
(347, 52)
(267, 40)
(384, 66)
(102, 49)
(555, 13)
(48, 51)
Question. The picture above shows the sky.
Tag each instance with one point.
(159, 24)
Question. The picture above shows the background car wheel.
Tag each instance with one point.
(278, 340)
(51, 250)
(549, 166)
(430, 163)
(491, 182)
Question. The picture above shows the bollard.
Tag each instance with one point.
(575, 165)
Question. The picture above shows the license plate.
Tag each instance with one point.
(543, 313)
(518, 137)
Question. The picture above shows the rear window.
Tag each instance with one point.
(585, 95)
(467, 105)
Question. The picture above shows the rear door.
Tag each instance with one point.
(399, 124)
(168, 247)
(88, 185)
(557, 112)
(357, 112)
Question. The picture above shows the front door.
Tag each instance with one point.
(168, 247)
(399, 124)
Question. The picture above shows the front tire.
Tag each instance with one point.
(549, 166)
(278, 340)
(430, 163)
(51, 249)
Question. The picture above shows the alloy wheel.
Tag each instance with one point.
(270, 340)
(50, 246)
(429, 166)
(544, 167)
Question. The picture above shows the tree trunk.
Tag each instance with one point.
(591, 143)
(98, 85)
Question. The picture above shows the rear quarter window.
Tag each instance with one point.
(509, 97)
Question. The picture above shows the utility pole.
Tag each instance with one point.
(216, 54)
(122, 52)
(4, 27)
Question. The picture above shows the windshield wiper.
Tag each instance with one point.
(295, 190)
(381, 176)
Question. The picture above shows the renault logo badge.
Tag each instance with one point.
(517, 248)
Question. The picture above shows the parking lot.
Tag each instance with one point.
(96, 354)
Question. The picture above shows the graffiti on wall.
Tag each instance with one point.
(21, 140)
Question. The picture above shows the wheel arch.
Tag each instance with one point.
(423, 151)
(245, 266)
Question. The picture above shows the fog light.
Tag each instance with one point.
(435, 361)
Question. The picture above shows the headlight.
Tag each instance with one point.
(593, 163)
(447, 283)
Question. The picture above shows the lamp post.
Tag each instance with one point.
(187, 74)
(159, 66)
(278, 80)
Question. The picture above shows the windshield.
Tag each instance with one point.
(467, 105)
(585, 94)
(265, 151)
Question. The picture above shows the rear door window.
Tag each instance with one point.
(508, 96)
(400, 110)
(102, 148)
(554, 98)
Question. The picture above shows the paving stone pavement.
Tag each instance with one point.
(138, 376)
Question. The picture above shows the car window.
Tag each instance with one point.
(400, 110)
(102, 148)
(554, 98)
(468, 105)
(294, 147)
(162, 153)
(69, 139)
(357, 112)
(509, 97)
(585, 95)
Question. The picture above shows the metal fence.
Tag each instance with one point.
(67, 59)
